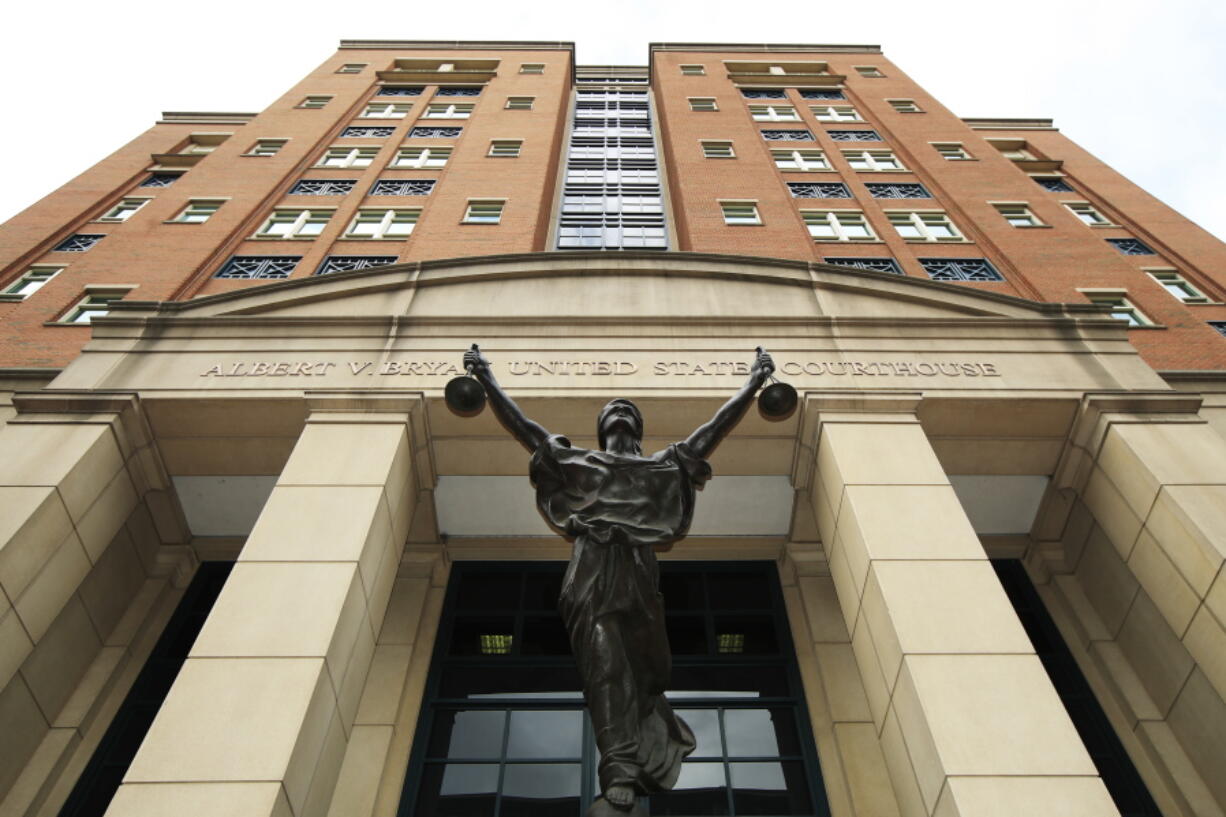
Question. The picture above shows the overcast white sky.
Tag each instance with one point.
(1140, 84)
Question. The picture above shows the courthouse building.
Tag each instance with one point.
(251, 564)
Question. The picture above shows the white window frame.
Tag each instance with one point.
(352, 68)
(868, 71)
(1122, 307)
(838, 222)
(835, 113)
(1082, 209)
(1017, 214)
(313, 102)
(952, 151)
(385, 110)
(93, 304)
(717, 149)
(921, 221)
(426, 156)
(874, 161)
(358, 156)
(520, 103)
(693, 70)
(505, 148)
(390, 223)
(301, 227)
(905, 106)
(740, 212)
(774, 113)
(266, 147)
(532, 68)
(193, 211)
(31, 281)
(1180, 288)
(799, 160)
(703, 104)
(449, 110)
(482, 211)
(124, 209)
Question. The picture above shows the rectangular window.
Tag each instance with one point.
(399, 90)
(872, 161)
(484, 211)
(34, 279)
(773, 113)
(952, 151)
(78, 243)
(459, 90)
(800, 160)
(1053, 184)
(351, 68)
(396, 223)
(402, 187)
(160, 180)
(315, 101)
(868, 71)
(520, 103)
(532, 68)
(322, 187)
(259, 266)
(898, 191)
(505, 148)
(1088, 214)
(835, 113)
(854, 135)
(294, 222)
(1121, 308)
(821, 93)
(347, 157)
(95, 304)
(124, 209)
(421, 157)
(353, 263)
(960, 269)
(443, 110)
(904, 105)
(1130, 246)
(693, 70)
(198, 211)
(266, 147)
(764, 93)
(924, 225)
(875, 264)
(704, 103)
(838, 225)
(359, 132)
(1178, 286)
(385, 110)
(1013, 149)
(717, 150)
(1017, 214)
(740, 212)
(787, 136)
(819, 190)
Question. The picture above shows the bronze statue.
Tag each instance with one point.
(617, 505)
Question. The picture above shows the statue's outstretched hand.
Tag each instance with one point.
(474, 361)
(763, 366)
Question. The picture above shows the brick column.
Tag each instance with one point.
(967, 718)
(258, 721)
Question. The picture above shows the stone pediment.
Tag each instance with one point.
(601, 286)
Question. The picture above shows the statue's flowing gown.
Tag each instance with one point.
(618, 508)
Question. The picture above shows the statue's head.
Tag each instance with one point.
(619, 412)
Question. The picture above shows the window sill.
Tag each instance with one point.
(196, 223)
(814, 170)
(1104, 226)
(967, 159)
(66, 325)
(10, 298)
(1148, 326)
(848, 241)
(108, 220)
(281, 238)
(365, 239)
(480, 223)
(937, 241)
(1032, 226)
(257, 155)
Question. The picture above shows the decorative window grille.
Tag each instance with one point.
(78, 243)
(875, 264)
(819, 190)
(259, 266)
(399, 90)
(960, 269)
(854, 135)
(838, 225)
(764, 93)
(1219, 327)
(353, 263)
(160, 179)
(1130, 246)
(788, 136)
(322, 187)
(898, 191)
(402, 187)
(453, 91)
(819, 93)
(363, 130)
(433, 133)
(1053, 184)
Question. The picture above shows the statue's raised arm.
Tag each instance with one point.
(708, 435)
(527, 431)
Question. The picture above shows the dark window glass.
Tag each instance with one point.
(161, 179)
(875, 264)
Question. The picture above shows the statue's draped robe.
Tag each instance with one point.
(618, 508)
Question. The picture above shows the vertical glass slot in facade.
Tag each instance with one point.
(612, 196)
